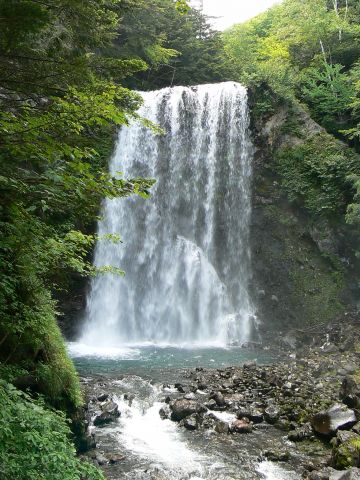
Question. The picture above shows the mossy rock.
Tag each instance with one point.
(347, 454)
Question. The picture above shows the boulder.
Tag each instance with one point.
(337, 417)
(182, 408)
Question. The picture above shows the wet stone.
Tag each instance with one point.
(336, 417)
(241, 426)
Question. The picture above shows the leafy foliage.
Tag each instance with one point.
(316, 172)
(305, 50)
(179, 49)
(35, 441)
(59, 107)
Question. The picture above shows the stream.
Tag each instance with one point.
(151, 448)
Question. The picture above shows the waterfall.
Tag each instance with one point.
(185, 250)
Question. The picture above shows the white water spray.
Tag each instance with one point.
(186, 249)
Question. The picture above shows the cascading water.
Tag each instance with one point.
(186, 249)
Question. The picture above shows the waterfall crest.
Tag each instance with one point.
(186, 250)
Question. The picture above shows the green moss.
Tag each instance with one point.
(347, 454)
(34, 346)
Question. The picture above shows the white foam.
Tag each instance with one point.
(121, 353)
(271, 471)
(144, 433)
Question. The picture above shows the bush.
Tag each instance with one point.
(316, 174)
(35, 441)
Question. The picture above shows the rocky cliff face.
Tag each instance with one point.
(304, 269)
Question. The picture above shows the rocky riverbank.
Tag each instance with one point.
(312, 397)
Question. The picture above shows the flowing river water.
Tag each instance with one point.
(185, 300)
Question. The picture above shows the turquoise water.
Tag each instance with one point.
(151, 360)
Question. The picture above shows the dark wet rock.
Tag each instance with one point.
(302, 433)
(179, 387)
(192, 422)
(276, 455)
(241, 426)
(219, 399)
(165, 412)
(129, 397)
(336, 417)
(103, 397)
(350, 391)
(182, 408)
(209, 421)
(211, 405)
(272, 414)
(110, 412)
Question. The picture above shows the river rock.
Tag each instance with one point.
(241, 426)
(336, 417)
(276, 455)
(103, 397)
(272, 414)
(221, 427)
(350, 392)
(182, 408)
(165, 412)
(110, 412)
(219, 399)
(191, 422)
(302, 433)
